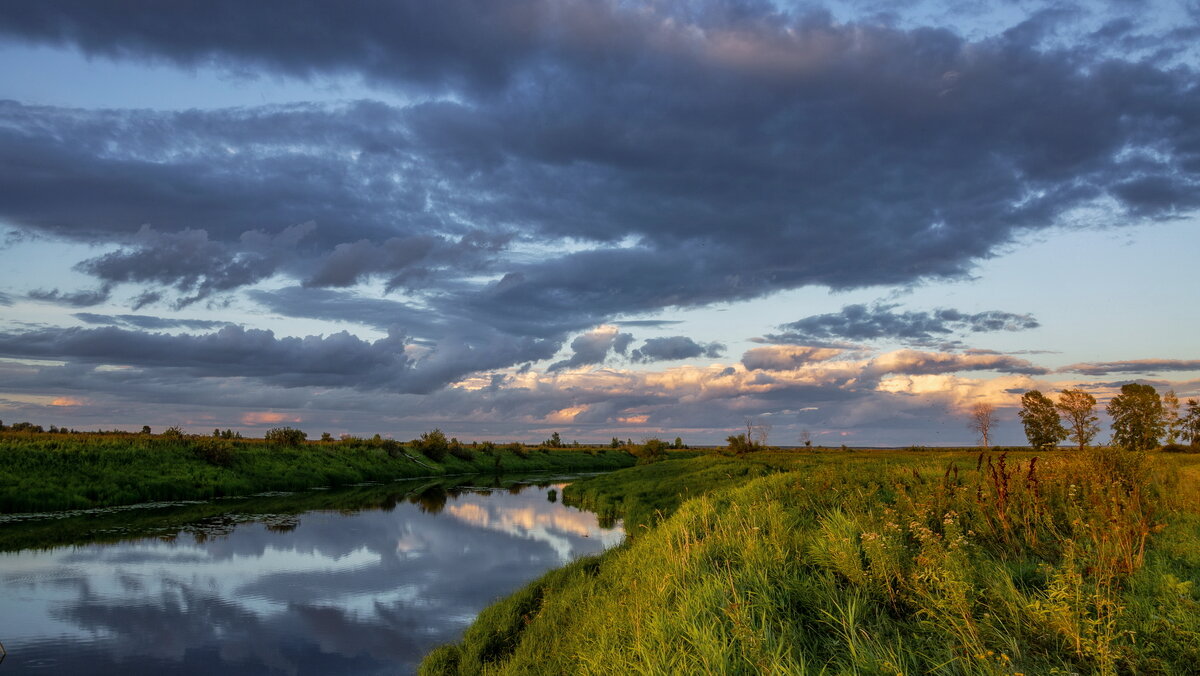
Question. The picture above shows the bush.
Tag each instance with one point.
(214, 451)
(172, 432)
(286, 436)
(517, 450)
(459, 451)
(433, 445)
(1181, 448)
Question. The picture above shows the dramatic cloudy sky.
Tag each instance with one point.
(596, 217)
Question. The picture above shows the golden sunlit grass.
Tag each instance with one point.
(872, 563)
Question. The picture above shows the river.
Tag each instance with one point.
(360, 581)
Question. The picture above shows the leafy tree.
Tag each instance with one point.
(145, 429)
(555, 441)
(616, 443)
(173, 432)
(1079, 410)
(1171, 420)
(982, 417)
(1040, 418)
(1137, 417)
(1190, 423)
(678, 443)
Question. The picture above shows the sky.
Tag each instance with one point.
(848, 221)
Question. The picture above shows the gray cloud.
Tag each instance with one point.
(785, 357)
(594, 347)
(674, 348)
(5, 299)
(1132, 366)
(83, 298)
(820, 141)
(862, 322)
(148, 321)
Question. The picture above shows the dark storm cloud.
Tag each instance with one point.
(740, 151)
(675, 348)
(5, 299)
(148, 321)
(74, 299)
(336, 360)
(1133, 366)
(860, 322)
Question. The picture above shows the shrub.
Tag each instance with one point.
(459, 451)
(517, 450)
(433, 445)
(172, 432)
(214, 452)
(286, 436)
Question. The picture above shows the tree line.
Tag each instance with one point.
(1141, 419)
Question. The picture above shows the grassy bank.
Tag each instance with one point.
(871, 563)
(211, 518)
(43, 472)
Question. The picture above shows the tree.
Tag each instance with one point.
(1190, 423)
(555, 441)
(1042, 426)
(145, 429)
(757, 431)
(806, 438)
(982, 416)
(1170, 404)
(1079, 410)
(1137, 417)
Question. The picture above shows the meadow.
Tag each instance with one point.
(869, 562)
(53, 471)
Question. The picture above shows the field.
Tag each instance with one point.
(869, 562)
(44, 472)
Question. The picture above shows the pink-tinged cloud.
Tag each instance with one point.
(914, 362)
(786, 357)
(269, 418)
(1102, 368)
(67, 401)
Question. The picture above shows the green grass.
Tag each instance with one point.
(870, 563)
(44, 472)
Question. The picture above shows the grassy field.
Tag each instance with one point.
(44, 472)
(869, 563)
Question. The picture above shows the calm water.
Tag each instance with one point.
(276, 591)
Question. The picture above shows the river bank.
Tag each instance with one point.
(45, 472)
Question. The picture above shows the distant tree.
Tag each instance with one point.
(1170, 404)
(1078, 408)
(806, 438)
(1137, 417)
(615, 443)
(555, 441)
(678, 443)
(758, 431)
(1042, 426)
(217, 433)
(1190, 423)
(651, 450)
(286, 436)
(145, 429)
(981, 418)
(173, 432)
(326, 436)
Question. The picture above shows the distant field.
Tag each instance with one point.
(869, 562)
(44, 472)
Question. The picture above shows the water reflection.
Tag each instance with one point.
(320, 593)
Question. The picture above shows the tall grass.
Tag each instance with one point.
(41, 472)
(888, 563)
